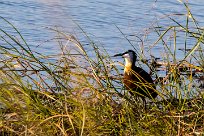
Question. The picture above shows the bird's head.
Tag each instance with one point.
(129, 56)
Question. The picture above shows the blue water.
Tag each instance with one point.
(98, 18)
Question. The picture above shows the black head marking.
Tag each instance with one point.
(131, 53)
(128, 52)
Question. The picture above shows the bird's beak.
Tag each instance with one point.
(116, 55)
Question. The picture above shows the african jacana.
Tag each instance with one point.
(137, 80)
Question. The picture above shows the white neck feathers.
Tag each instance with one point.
(128, 65)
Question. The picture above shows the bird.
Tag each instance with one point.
(136, 79)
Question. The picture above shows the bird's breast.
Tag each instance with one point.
(127, 70)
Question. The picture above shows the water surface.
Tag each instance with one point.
(98, 18)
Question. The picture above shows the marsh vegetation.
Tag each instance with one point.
(71, 93)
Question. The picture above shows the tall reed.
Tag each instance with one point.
(80, 92)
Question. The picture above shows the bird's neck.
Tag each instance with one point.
(128, 66)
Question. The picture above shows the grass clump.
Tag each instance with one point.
(71, 93)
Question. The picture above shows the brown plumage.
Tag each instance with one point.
(136, 80)
(139, 82)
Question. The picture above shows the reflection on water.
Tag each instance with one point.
(102, 20)
(97, 17)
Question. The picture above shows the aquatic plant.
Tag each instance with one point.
(80, 92)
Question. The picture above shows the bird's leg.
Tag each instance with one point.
(144, 103)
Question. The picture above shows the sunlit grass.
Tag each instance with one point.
(71, 93)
